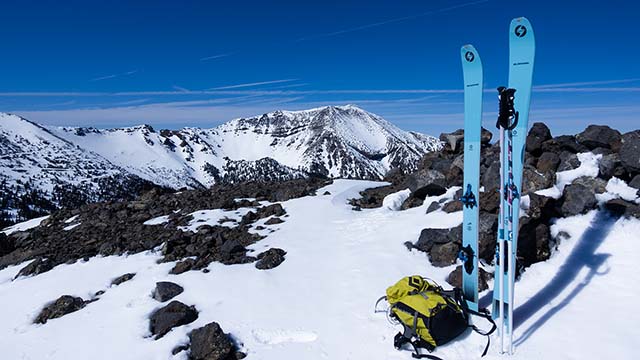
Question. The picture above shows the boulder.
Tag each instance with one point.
(538, 134)
(411, 202)
(577, 199)
(183, 266)
(487, 230)
(542, 207)
(270, 259)
(453, 141)
(533, 241)
(548, 162)
(166, 290)
(274, 221)
(455, 278)
(533, 180)
(270, 210)
(122, 278)
(568, 161)
(596, 185)
(425, 183)
(442, 255)
(7, 244)
(211, 343)
(620, 207)
(563, 143)
(629, 151)
(38, 266)
(433, 207)
(429, 237)
(62, 306)
(610, 166)
(452, 206)
(172, 315)
(485, 136)
(491, 177)
(595, 136)
(490, 201)
(634, 183)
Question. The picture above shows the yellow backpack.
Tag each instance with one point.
(430, 315)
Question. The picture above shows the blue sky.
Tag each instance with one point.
(200, 63)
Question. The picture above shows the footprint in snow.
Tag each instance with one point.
(274, 337)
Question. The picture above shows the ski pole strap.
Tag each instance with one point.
(507, 115)
(484, 313)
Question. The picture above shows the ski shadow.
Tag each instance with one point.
(582, 256)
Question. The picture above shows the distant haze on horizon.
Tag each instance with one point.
(198, 63)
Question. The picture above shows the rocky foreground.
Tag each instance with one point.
(545, 156)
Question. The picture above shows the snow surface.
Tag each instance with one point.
(588, 167)
(318, 304)
(23, 226)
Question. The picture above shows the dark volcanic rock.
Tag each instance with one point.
(453, 141)
(116, 228)
(595, 136)
(211, 343)
(596, 185)
(548, 162)
(533, 241)
(490, 201)
(425, 183)
(411, 202)
(563, 143)
(577, 199)
(542, 207)
(6, 244)
(442, 255)
(630, 150)
(538, 134)
(274, 221)
(429, 237)
(485, 136)
(635, 183)
(166, 290)
(372, 197)
(491, 177)
(271, 210)
(37, 266)
(120, 279)
(166, 318)
(433, 207)
(183, 266)
(487, 230)
(270, 258)
(452, 206)
(568, 161)
(62, 306)
(455, 278)
(610, 166)
(533, 180)
(620, 207)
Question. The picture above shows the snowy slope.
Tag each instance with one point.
(343, 141)
(319, 303)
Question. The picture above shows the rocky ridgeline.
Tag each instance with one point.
(544, 157)
(115, 228)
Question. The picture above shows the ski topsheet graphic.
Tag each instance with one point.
(513, 121)
(472, 71)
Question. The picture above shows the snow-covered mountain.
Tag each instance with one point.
(342, 141)
(335, 141)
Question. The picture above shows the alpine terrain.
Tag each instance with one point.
(67, 165)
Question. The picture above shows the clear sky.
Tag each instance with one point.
(200, 63)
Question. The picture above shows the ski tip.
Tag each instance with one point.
(469, 53)
(521, 28)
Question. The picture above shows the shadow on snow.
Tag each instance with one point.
(582, 256)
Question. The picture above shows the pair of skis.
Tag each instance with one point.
(512, 122)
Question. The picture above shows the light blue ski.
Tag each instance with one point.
(521, 61)
(473, 84)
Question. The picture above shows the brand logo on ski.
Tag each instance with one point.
(469, 56)
(521, 31)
